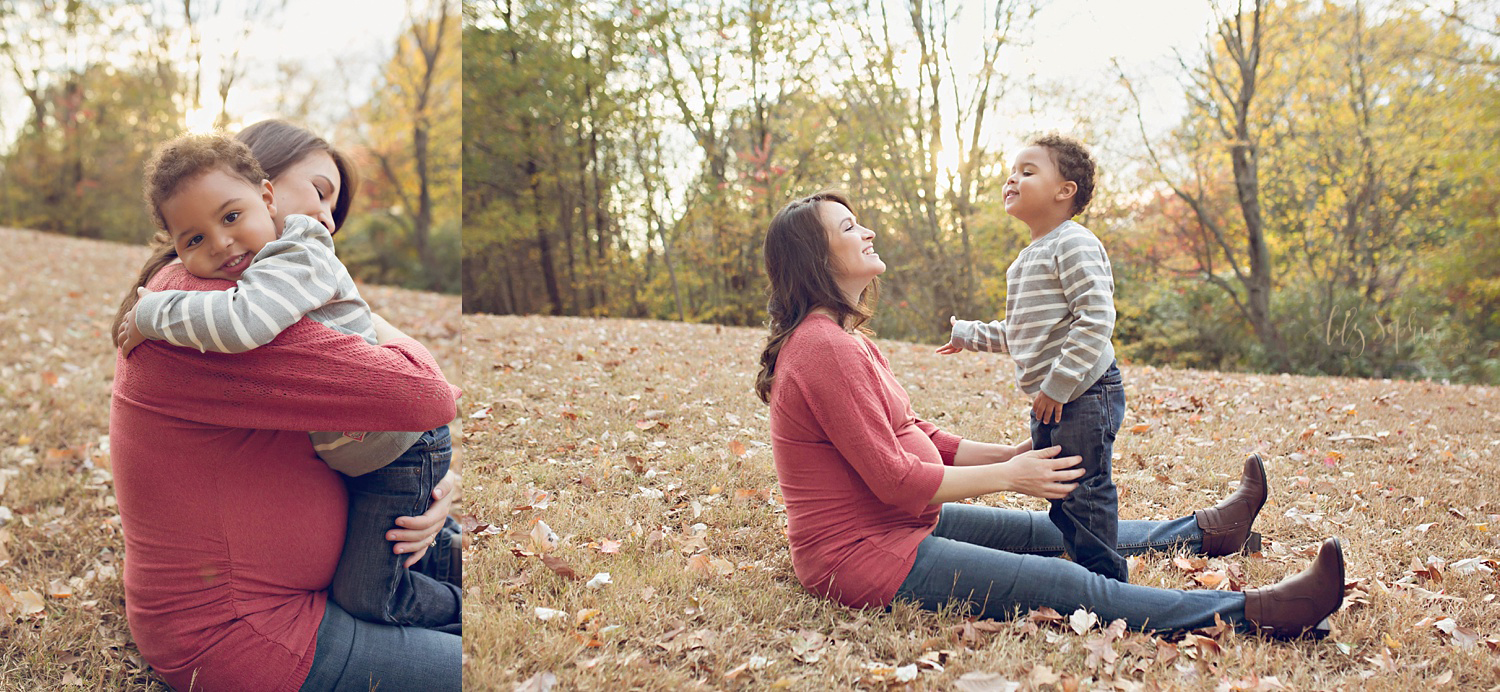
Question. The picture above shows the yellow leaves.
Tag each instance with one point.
(1190, 564)
(26, 603)
(705, 565)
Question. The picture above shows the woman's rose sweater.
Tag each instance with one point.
(856, 467)
(232, 524)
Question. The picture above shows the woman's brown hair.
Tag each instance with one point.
(173, 164)
(800, 272)
(278, 145)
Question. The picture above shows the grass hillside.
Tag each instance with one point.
(62, 611)
(638, 449)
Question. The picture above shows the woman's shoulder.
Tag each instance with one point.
(175, 277)
(818, 343)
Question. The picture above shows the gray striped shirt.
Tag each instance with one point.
(1059, 315)
(293, 276)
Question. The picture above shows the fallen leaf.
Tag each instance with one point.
(59, 589)
(609, 547)
(699, 563)
(543, 538)
(737, 448)
(985, 682)
(541, 682)
(1044, 614)
(560, 567)
(546, 614)
(1082, 621)
(584, 616)
(30, 603)
(599, 581)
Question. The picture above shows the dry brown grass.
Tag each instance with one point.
(566, 400)
(63, 536)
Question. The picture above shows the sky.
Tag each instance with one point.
(345, 48)
(1073, 41)
(1080, 43)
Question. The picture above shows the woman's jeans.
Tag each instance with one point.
(370, 581)
(1003, 562)
(1087, 516)
(354, 655)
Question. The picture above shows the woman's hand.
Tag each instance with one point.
(1038, 474)
(415, 534)
(1033, 472)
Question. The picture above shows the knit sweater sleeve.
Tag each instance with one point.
(1087, 284)
(309, 377)
(288, 278)
(973, 335)
(846, 399)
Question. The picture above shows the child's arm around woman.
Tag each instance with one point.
(289, 278)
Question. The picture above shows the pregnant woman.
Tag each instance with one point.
(871, 490)
(232, 524)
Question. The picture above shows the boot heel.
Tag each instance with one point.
(1252, 543)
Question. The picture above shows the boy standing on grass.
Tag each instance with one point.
(1060, 314)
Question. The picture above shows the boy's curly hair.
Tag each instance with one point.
(189, 156)
(1074, 162)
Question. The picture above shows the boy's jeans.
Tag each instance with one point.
(1087, 516)
(1002, 563)
(370, 581)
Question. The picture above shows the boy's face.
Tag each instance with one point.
(218, 221)
(1035, 188)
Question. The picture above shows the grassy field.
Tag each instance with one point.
(62, 613)
(638, 449)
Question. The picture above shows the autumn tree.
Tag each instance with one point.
(412, 132)
(1313, 162)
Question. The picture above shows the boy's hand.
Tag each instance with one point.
(1046, 409)
(128, 336)
(950, 348)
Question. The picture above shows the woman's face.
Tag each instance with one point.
(851, 247)
(310, 186)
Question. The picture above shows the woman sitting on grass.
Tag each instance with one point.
(871, 489)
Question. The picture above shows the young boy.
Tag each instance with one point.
(211, 198)
(1059, 316)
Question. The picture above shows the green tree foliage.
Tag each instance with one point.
(1329, 204)
(74, 165)
(408, 231)
(676, 134)
(1353, 137)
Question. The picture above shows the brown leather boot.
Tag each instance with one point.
(1295, 606)
(1226, 526)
